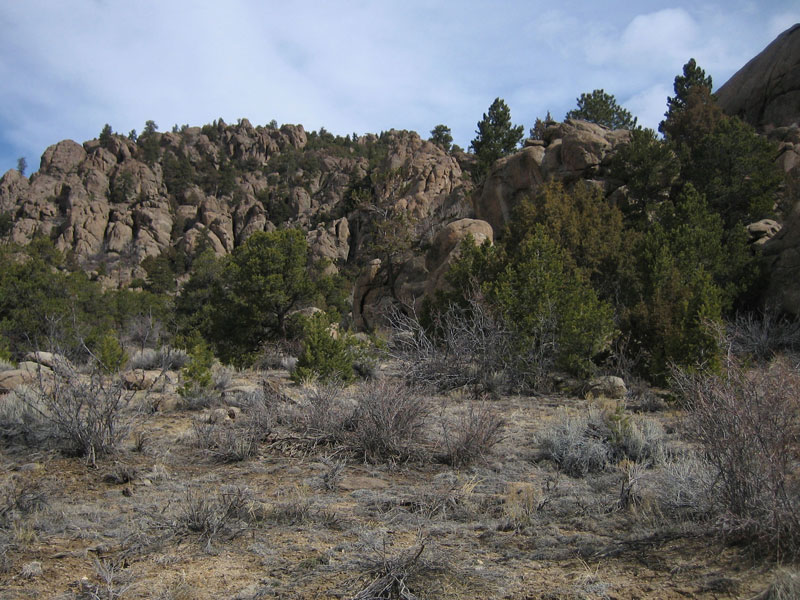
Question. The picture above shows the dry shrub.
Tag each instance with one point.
(165, 357)
(522, 502)
(325, 415)
(380, 421)
(388, 421)
(746, 422)
(391, 575)
(463, 347)
(785, 586)
(235, 438)
(680, 489)
(20, 497)
(588, 442)
(472, 436)
(85, 415)
(226, 443)
(570, 443)
(762, 335)
(227, 511)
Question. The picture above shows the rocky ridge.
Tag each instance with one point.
(111, 208)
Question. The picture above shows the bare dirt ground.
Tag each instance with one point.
(164, 519)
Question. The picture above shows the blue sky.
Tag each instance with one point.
(351, 66)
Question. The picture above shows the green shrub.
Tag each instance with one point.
(326, 354)
(196, 374)
(110, 354)
(244, 300)
(549, 305)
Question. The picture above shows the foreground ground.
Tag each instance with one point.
(165, 518)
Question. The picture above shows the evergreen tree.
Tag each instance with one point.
(693, 78)
(442, 137)
(539, 127)
(149, 143)
(601, 108)
(105, 136)
(496, 138)
(261, 283)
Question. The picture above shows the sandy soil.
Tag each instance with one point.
(298, 521)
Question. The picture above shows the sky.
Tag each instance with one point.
(351, 66)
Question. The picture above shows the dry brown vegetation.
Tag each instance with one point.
(375, 490)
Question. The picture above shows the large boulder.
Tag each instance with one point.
(766, 91)
(782, 255)
(13, 185)
(446, 248)
(331, 242)
(62, 158)
(509, 179)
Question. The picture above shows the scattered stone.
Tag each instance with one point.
(607, 386)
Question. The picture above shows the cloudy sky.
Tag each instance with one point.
(67, 68)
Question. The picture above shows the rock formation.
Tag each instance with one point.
(766, 94)
(766, 91)
(570, 151)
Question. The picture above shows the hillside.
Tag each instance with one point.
(254, 361)
(115, 202)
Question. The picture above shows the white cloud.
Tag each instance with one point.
(652, 40)
(354, 65)
(649, 105)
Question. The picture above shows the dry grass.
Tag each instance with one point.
(313, 514)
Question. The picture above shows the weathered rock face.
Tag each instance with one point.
(418, 277)
(446, 248)
(217, 185)
(570, 151)
(766, 91)
(782, 255)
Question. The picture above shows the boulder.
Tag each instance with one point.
(583, 146)
(446, 248)
(766, 91)
(48, 359)
(762, 231)
(570, 151)
(62, 158)
(145, 379)
(607, 386)
(781, 253)
(13, 186)
(331, 242)
(13, 378)
(509, 179)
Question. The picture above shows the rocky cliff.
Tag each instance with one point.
(108, 203)
(112, 203)
(766, 94)
(766, 91)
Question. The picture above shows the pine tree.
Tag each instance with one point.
(693, 78)
(442, 137)
(496, 138)
(601, 108)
